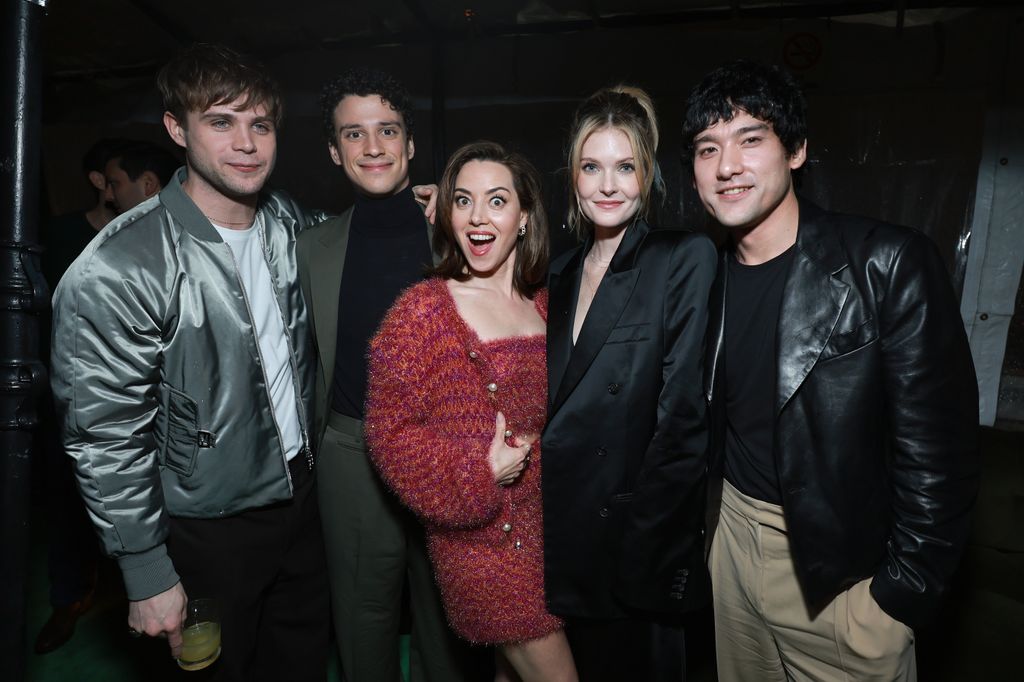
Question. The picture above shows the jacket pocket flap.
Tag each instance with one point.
(843, 342)
(180, 443)
(629, 333)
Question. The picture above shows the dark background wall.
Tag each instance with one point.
(902, 98)
(897, 99)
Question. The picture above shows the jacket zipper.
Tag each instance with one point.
(305, 450)
(259, 353)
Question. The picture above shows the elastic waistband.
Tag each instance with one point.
(756, 510)
(347, 425)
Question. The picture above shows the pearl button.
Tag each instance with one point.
(508, 433)
(473, 354)
(507, 527)
(519, 543)
(492, 387)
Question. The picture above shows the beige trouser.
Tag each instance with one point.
(762, 630)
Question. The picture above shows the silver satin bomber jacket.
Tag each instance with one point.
(158, 380)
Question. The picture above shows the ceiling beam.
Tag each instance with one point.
(429, 32)
(165, 22)
(420, 15)
(732, 11)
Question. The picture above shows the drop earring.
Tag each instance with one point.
(522, 230)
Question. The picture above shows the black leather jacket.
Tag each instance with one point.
(877, 414)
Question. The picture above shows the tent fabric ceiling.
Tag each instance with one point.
(122, 37)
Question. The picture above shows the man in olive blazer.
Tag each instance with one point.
(351, 269)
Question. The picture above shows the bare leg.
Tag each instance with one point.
(547, 659)
(503, 670)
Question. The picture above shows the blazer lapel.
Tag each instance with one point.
(326, 265)
(716, 326)
(811, 304)
(562, 288)
(610, 300)
(434, 255)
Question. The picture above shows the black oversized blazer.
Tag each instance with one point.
(876, 404)
(624, 446)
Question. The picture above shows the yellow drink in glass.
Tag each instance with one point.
(200, 645)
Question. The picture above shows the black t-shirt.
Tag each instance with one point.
(752, 304)
(387, 252)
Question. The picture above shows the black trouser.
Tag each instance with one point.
(266, 568)
(626, 649)
(73, 552)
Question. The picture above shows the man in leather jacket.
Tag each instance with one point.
(844, 407)
(183, 376)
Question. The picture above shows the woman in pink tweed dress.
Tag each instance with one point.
(456, 402)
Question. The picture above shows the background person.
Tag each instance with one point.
(137, 171)
(72, 552)
(457, 401)
(624, 447)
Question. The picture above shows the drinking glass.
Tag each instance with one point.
(200, 634)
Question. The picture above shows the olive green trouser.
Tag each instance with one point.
(374, 544)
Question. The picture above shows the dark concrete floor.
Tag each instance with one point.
(978, 636)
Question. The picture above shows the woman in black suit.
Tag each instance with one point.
(624, 447)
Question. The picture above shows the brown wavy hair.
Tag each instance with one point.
(531, 267)
(206, 74)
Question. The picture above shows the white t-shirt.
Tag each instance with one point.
(266, 316)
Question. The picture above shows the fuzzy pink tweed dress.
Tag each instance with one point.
(434, 391)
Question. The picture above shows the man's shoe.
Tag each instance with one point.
(61, 625)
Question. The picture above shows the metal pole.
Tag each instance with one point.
(23, 294)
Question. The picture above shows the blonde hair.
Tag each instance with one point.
(626, 108)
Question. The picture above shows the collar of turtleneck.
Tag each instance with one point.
(397, 213)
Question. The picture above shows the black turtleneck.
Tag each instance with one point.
(388, 251)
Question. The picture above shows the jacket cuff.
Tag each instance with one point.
(915, 609)
(148, 573)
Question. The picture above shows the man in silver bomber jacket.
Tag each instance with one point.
(183, 375)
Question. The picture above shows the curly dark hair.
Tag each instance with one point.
(362, 82)
(766, 92)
